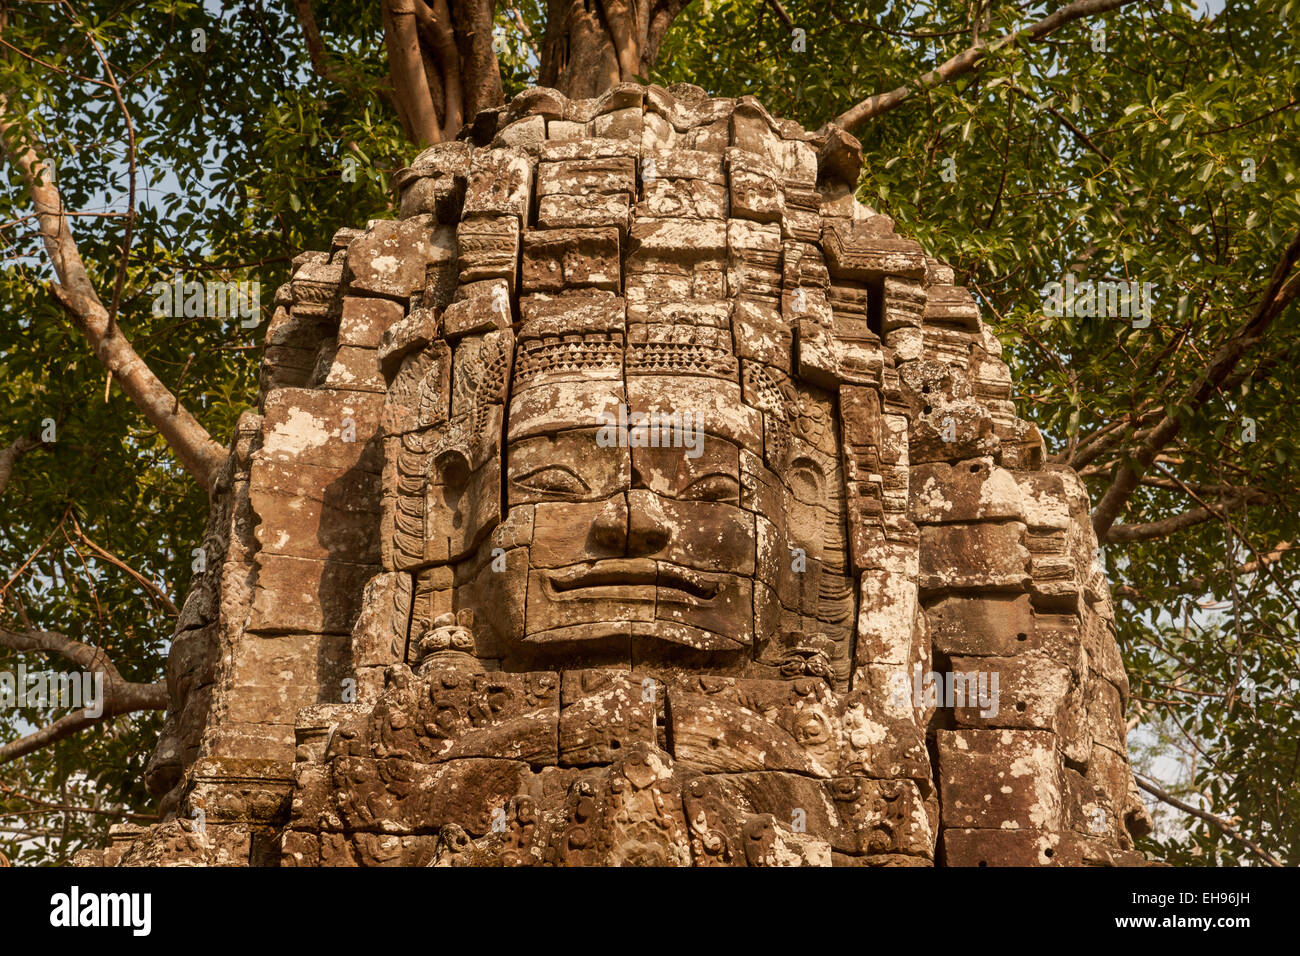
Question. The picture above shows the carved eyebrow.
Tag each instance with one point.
(713, 476)
(562, 469)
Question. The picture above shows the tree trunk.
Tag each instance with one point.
(591, 45)
(443, 64)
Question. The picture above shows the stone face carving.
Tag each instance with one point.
(698, 527)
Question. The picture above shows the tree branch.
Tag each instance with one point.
(1265, 566)
(1198, 584)
(662, 16)
(1146, 531)
(1083, 138)
(49, 807)
(129, 229)
(158, 593)
(969, 59)
(620, 21)
(62, 728)
(316, 51)
(336, 71)
(1264, 560)
(1104, 439)
(4, 588)
(1282, 289)
(194, 447)
(1210, 818)
(591, 46)
(52, 642)
(120, 696)
(526, 33)
(9, 456)
(780, 11)
(480, 78)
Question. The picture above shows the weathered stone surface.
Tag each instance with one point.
(887, 610)
(755, 192)
(302, 594)
(884, 817)
(365, 321)
(853, 252)
(380, 634)
(557, 259)
(1000, 779)
(603, 712)
(435, 182)
(967, 847)
(392, 257)
(954, 304)
(355, 369)
(309, 512)
(478, 307)
(996, 625)
(329, 429)
(883, 737)
(976, 490)
(714, 731)
(1030, 691)
(500, 183)
(664, 198)
(973, 556)
(487, 247)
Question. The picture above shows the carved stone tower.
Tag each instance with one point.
(639, 497)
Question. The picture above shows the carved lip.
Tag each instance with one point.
(632, 580)
(696, 638)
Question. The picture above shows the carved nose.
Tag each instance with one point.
(610, 527)
(648, 527)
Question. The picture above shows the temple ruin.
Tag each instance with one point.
(639, 497)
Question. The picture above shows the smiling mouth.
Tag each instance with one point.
(635, 580)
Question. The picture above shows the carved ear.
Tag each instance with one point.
(465, 617)
(806, 479)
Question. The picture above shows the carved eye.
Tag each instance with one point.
(715, 487)
(554, 479)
